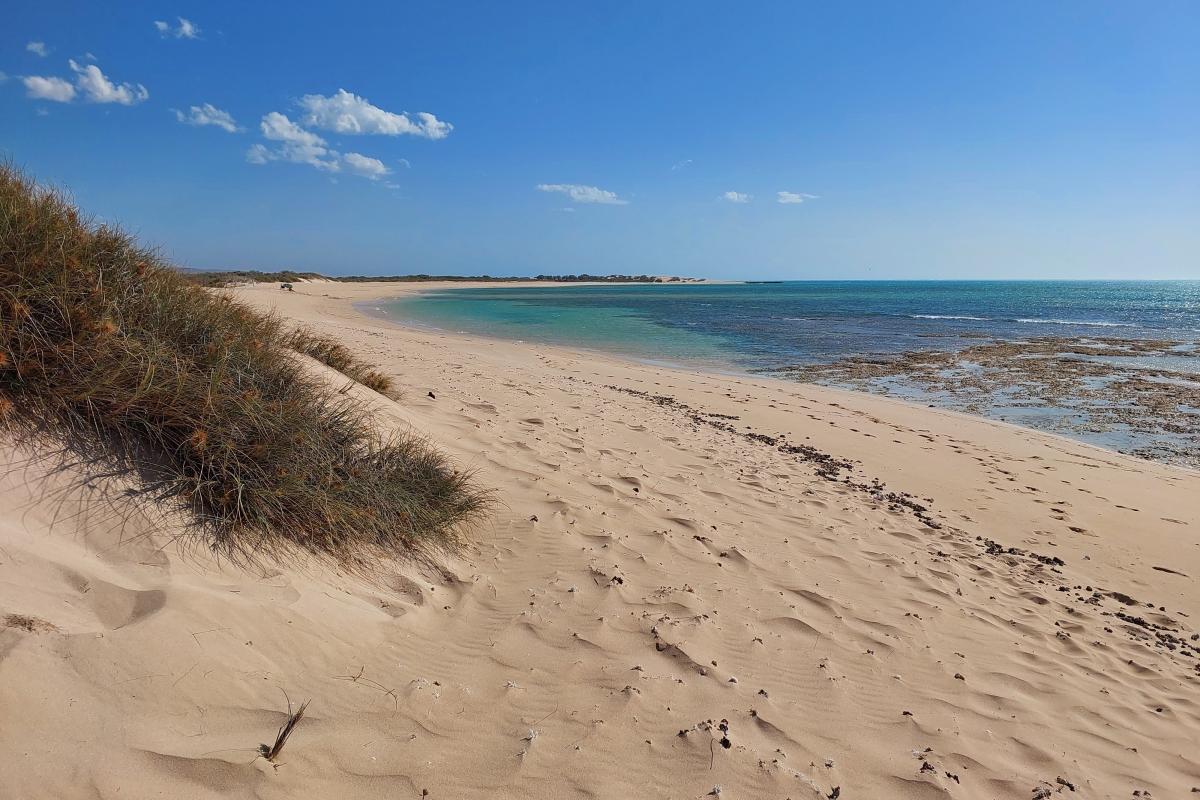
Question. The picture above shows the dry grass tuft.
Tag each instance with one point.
(112, 355)
(271, 751)
(332, 353)
(28, 624)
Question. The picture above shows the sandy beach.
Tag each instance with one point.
(690, 585)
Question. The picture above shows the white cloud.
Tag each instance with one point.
(185, 30)
(56, 89)
(259, 154)
(3, 76)
(681, 164)
(788, 198)
(208, 114)
(299, 146)
(90, 83)
(278, 128)
(38, 49)
(583, 194)
(365, 166)
(736, 197)
(99, 89)
(348, 113)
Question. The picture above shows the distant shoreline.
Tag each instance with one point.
(238, 277)
(251, 276)
(1115, 383)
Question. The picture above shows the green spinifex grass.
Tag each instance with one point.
(109, 353)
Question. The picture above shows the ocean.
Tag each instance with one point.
(1103, 331)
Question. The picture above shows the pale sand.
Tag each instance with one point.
(563, 657)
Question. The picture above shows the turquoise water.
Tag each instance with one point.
(768, 327)
(759, 326)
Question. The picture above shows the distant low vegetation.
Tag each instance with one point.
(113, 357)
(230, 277)
(608, 278)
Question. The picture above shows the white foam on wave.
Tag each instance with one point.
(946, 316)
(1035, 321)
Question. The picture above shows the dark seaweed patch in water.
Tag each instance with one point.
(1110, 391)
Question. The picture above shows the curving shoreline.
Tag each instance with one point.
(852, 591)
(1137, 396)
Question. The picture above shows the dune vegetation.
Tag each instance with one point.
(112, 357)
(332, 353)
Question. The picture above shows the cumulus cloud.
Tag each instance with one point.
(365, 166)
(583, 194)
(208, 114)
(348, 113)
(259, 154)
(90, 83)
(278, 128)
(788, 198)
(99, 89)
(186, 29)
(38, 49)
(296, 145)
(300, 146)
(56, 89)
(736, 197)
(344, 113)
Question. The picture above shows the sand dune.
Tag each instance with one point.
(692, 585)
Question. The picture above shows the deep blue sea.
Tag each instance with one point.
(754, 326)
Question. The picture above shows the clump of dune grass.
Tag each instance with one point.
(109, 354)
(332, 353)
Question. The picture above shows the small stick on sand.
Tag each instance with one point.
(270, 752)
(372, 684)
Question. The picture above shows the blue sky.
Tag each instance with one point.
(914, 139)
